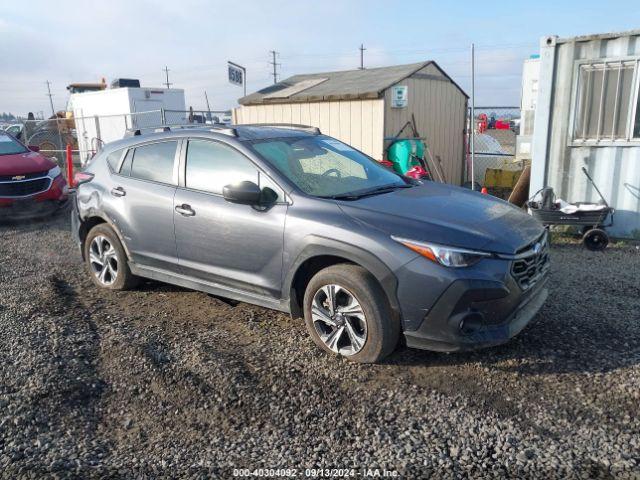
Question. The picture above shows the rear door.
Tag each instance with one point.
(142, 197)
(237, 246)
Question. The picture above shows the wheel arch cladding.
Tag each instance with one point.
(85, 228)
(327, 252)
(90, 222)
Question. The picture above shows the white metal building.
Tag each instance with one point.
(104, 116)
(366, 108)
(588, 114)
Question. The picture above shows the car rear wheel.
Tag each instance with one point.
(106, 260)
(347, 313)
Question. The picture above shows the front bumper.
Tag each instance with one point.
(36, 206)
(474, 314)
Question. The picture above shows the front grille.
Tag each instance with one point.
(529, 269)
(24, 188)
(25, 176)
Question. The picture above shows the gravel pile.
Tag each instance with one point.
(163, 381)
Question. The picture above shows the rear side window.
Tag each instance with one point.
(211, 166)
(154, 162)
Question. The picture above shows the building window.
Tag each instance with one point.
(606, 97)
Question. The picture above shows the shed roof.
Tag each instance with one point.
(341, 85)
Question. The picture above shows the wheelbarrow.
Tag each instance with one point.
(593, 218)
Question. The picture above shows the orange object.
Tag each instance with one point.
(484, 191)
(70, 166)
(422, 250)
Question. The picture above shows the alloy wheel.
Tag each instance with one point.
(103, 259)
(339, 319)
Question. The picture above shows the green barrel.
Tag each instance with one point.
(405, 154)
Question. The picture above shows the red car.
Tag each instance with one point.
(31, 185)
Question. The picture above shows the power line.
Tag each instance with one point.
(362, 49)
(50, 95)
(275, 65)
(166, 71)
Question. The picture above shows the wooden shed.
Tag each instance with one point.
(367, 108)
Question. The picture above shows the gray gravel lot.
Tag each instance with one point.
(163, 381)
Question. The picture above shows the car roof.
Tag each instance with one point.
(236, 132)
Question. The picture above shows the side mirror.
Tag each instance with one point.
(34, 148)
(245, 193)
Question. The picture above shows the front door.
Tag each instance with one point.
(236, 246)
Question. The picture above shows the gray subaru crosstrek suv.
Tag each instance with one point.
(290, 219)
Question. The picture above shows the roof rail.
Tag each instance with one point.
(292, 126)
(216, 127)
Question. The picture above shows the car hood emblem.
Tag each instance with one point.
(19, 177)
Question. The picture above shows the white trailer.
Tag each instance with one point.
(104, 116)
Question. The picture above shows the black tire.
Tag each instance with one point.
(382, 329)
(123, 278)
(586, 228)
(595, 239)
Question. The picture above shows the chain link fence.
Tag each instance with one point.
(495, 163)
(87, 135)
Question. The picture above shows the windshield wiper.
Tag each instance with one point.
(366, 193)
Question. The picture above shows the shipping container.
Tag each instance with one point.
(588, 115)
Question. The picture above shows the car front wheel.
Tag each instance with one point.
(347, 313)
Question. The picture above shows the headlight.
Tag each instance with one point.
(54, 172)
(447, 256)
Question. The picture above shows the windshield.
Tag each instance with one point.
(10, 146)
(325, 167)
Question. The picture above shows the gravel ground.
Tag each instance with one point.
(163, 381)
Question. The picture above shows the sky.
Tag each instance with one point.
(83, 41)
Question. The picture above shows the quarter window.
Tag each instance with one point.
(606, 96)
(113, 160)
(154, 162)
(211, 166)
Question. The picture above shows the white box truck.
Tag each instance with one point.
(104, 116)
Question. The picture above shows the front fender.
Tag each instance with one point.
(317, 246)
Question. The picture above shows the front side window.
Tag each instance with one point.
(211, 166)
(324, 167)
(154, 162)
(10, 146)
(605, 100)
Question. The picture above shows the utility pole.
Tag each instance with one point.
(362, 49)
(50, 95)
(208, 107)
(472, 123)
(166, 72)
(275, 65)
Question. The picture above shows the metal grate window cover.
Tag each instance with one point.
(604, 101)
(529, 270)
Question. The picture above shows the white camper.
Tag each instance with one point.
(104, 116)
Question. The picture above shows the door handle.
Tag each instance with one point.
(118, 192)
(185, 210)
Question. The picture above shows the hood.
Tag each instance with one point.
(21, 163)
(447, 215)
